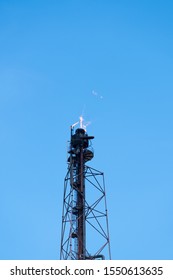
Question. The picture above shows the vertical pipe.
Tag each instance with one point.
(81, 204)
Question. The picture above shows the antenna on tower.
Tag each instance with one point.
(84, 216)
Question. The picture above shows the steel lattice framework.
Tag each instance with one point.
(85, 233)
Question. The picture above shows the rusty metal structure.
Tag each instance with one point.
(84, 233)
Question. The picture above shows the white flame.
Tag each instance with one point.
(81, 119)
(81, 123)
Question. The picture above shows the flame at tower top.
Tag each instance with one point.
(81, 122)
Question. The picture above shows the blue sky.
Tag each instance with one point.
(53, 55)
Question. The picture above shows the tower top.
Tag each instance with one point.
(81, 123)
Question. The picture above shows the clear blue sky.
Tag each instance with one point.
(53, 55)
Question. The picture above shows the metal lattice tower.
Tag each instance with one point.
(85, 234)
